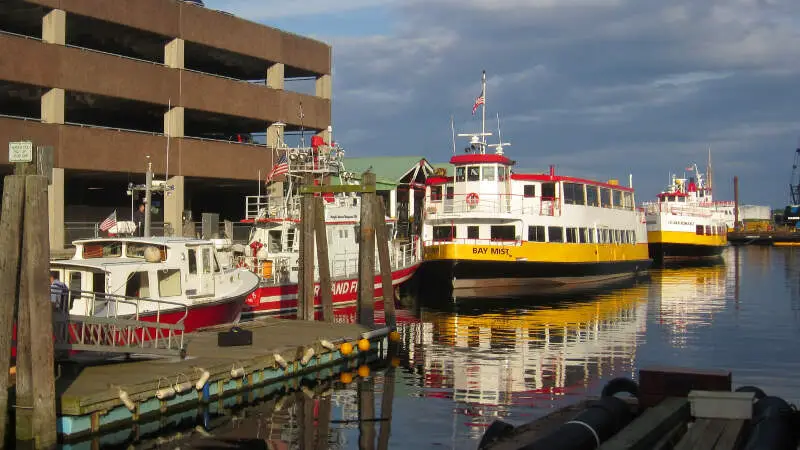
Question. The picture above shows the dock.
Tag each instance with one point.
(777, 237)
(97, 398)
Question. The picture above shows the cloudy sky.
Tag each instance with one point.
(600, 88)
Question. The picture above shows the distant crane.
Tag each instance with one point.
(791, 215)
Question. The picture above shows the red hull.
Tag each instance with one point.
(281, 300)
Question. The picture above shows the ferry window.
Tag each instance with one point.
(473, 232)
(681, 199)
(605, 197)
(628, 200)
(206, 260)
(590, 235)
(699, 230)
(110, 250)
(169, 283)
(671, 198)
(488, 173)
(444, 233)
(572, 235)
(192, 261)
(450, 193)
(503, 233)
(290, 238)
(573, 194)
(549, 190)
(474, 173)
(555, 234)
(617, 198)
(529, 190)
(501, 173)
(436, 193)
(75, 282)
(460, 173)
(274, 240)
(98, 282)
(592, 197)
(582, 233)
(536, 234)
(708, 230)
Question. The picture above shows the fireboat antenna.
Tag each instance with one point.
(483, 110)
(478, 140)
(500, 144)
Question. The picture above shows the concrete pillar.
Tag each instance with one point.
(275, 76)
(174, 54)
(275, 136)
(53, 106)
(55, 204)
(54, 27)
(174, 204)
(323, 87)
(173, 122)
(393, 203)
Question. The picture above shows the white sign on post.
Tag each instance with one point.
(20, 151)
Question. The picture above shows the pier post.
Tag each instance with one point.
(381, 236)
(305, 289)
(325, 290)
(366, 414)
(387, 399)
(10, 238)
(366, 253)
(323, 422)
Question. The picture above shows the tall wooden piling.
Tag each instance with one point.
(323, 422)
(10, 239)
(366, 253)
(366, 414)
(381, 236)
(305, 275)
(325, 290)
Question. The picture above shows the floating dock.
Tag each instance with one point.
(781, 237)
(98, 398)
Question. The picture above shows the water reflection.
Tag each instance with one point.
(687, 296)
(526, 355)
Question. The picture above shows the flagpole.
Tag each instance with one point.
(483, 113)
(453, 130)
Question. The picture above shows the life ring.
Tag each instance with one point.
(472, 199)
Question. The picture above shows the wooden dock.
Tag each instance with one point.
(98, 397)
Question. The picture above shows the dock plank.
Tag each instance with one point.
(646, 430)
(731, 435)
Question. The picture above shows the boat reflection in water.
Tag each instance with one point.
(687, 296)
(501, 363)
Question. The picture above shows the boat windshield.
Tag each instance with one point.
(136, 250)
(102, 250)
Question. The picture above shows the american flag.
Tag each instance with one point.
(690, 169)
(478, 102)
(111, 221)
(281, 167)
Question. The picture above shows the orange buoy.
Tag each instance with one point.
(12, 370)
(395, 362)
(394, 336)
(346, 348)
(363, 371)
(363, 345)
(346, 377)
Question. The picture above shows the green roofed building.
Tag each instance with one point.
(400, 181)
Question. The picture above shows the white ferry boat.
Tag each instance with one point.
(273, 248)
(489, 231)
(685, 222)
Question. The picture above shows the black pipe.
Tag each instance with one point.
(772, 426)
(593, 426)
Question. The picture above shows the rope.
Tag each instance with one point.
(594, 433)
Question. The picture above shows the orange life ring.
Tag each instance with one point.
(472, 199)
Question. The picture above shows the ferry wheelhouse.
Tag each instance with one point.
(489, 231)
(273, 249)
(685, 222)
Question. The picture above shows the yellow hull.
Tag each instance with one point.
(538, 252)
(685, 238)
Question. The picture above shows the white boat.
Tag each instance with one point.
(489, 231)
(273, 248)
(685, 221)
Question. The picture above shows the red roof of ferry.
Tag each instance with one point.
(477, 158)
(548, 177)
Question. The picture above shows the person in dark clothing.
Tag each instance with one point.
(59, 293)
(138, 219)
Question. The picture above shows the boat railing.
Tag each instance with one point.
(264, 207)
(473, 203)
(687, 209)
(488, 242)
(110, 323)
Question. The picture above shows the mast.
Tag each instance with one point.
(709, 170)
(483, 112)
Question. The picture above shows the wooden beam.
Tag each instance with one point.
(305, 275)
(647, 429)
(325, 289)
(382, 238)
(10, 239)
(366, 256)
(366, 413)
(338, 189)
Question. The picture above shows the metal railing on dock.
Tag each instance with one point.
(120, 324)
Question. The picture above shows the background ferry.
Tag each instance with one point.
(489, 231)
(685, 222)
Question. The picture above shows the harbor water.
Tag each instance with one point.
(460, 367)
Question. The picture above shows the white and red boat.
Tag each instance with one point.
(273, 248)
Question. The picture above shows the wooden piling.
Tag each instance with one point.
(366, 414)
(10, 239)
(325, 289)
(387, 400)
(323, 422)
(366, 253)
(305, 275)
(381, 236)
(35, 270)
